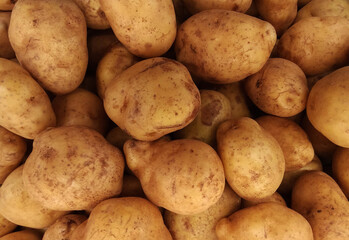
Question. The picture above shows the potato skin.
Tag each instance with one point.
(195, 6)
(79, 232)
(49, 39)
(340, 169)
(274, 198)
(25, 108)
(6, 226)
(23, 235)
(7, 5)
(6, 50)
(94, 15)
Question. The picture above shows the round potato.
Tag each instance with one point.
(6, 226)
(195, 6)
(221, 46)
(274, 198)
(340, 169)
(6, 50)
(145, 28)
(23, 235)
(95, 17)
(49, 39)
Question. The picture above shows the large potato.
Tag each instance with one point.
(327, 107)
(49, 39)
(195, 6)
(25, 108)
(307, 43)
(146, 28)
(221, 46)
(6, 50)
(73, 168)
(23, 235)
(152, 98)
(340, 168)
(95, 17)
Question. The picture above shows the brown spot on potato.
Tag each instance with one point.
(49, 153)
(198, 33)
(210, 111)
(153, 65)
(148, 45)
(124, 106)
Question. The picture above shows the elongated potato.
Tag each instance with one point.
(6, 50)
(95, 17)
(195, 6)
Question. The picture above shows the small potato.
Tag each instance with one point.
(117, 137)
(95, 17)
(327, 107)
(221, 46)
(6, 226)
(79, 232)
(23, 235)
(152, 98)
(195, 6)
(184, 176)
(80, 108)
(25, 108)
(49, 39)
(274, 198)
(253, 160)
(7, 5)
(146, 28)
(269, 221)
(279, 88)
(6, 50)
(340, 169)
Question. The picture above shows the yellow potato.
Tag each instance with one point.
(25, 108)
(145, 28)
(6, 50)
(221, 46)
(327, 107)
(79, 232)
(195, 6)
(23, 235)
(49, 39)
(274, 198)
(7, 5)
(184, 176)
(270, 221)
(95, 17)
(127, 218)
(117, 137)
(152, 98)
(340, 169)
(6, 226)
(253, 160)
(73, 168)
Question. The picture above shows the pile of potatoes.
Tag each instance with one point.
(174, 120)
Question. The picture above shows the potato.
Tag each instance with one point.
(340, 169)
(95, 17)
(131, 187)
(327, 107)
(23, 235)
(127, 218)
(202, 226)
(72, 168)
(322, 8)
(184, 176)
(6, 226)
(18, 207)
(117, 137)
(253, 160)
(270, 221)
(293, 141)
(195, 6)
(116, 59)
(7, 5)
(221, 46)
(49, 39)
(215, 109)
(307, 42)
(321, 201)
(145, 28)
(279, 88)
(152, 98)
(279, 13)
(6, 50)
(80, 108)
(63, 228)
(25, 108)
(274, 198)
(79, 232)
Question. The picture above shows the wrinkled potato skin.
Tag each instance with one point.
(7, 5)
(279, 88)
(221, 46)
(23, 235)
(127, 218)
(146, 28)
(25, 108)
(340, 169)
(95, 17)
(275, 198)
(270, 221)
(79, 232)
(307, 42)
(6, 226)
(152, 98)
(49, 39)
(327, 106)
(6, 50)
(253, 160)
(195, 6)
(63, 168)
(202, 226)
(321, 201)
(80, 108)
(17, 206)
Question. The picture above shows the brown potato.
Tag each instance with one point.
(7, 5)
(195, 6)
(94, 15)
(253, 160)
(274, 198)
(340, 169)
(79, 232)
(49, 39)
(6, 226)
(23, 235)
(6, 50)
(221, 46)
(73, 168)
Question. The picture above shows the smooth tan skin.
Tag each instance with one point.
(7, 5)
(117, 137)
(307, 42)
(321, 201)
(94, 15)
(195, 6)
(253, 160)
(127, 218)
(115, 61)
(270, 221)
(49, 38)
(202, 226)
(23, 235)
(274, 198)
(18, 207)
(152, 98)
(25, 108)
(146, 28)
(6, 50)
(292, 139)
(327, 107)
(279, 88)
(6, 226)
(79, 232)
(73, 168)
(184, 176)
(221, 46)
(81, 108)
(340, 169)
